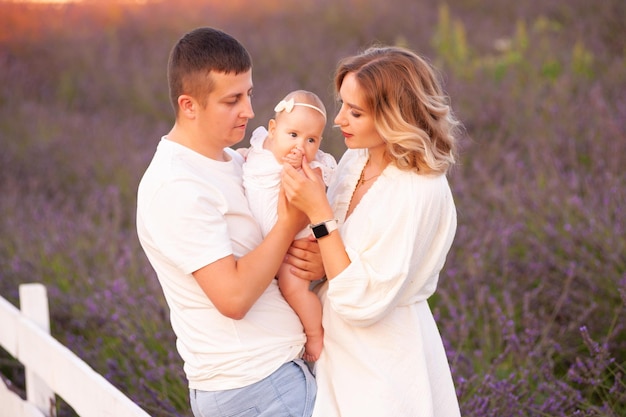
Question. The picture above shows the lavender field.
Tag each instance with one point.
(532, 301)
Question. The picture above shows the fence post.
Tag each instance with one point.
(34, 305)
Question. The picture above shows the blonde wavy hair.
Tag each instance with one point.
(410, 110)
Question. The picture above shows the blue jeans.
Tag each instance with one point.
(289, 392)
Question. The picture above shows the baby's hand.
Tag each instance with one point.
(294, 158)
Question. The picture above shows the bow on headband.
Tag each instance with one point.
(288, 105)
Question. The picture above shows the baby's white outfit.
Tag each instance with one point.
(261, 180)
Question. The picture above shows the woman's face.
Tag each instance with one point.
(354, 119)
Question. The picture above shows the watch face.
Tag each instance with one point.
(319, 230)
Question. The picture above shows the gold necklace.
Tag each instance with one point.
(363, 180)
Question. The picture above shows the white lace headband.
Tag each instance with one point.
(288, 105)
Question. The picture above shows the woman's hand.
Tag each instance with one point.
(305, 259)
(306, 191)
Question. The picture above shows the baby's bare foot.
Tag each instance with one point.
(313, 348)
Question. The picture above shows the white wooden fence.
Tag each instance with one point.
(51, 368)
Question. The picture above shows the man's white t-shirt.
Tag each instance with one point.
(191, 212)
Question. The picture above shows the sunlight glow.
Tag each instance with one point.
(44, 1)
(72, 1)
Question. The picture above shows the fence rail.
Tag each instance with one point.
(51, 368)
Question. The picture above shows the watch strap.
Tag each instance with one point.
(324, 228)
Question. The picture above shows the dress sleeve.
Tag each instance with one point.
(261, 181)
(397, 241)
(327, 164)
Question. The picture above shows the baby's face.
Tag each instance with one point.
(301, 129)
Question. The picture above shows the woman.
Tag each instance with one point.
(383, 355)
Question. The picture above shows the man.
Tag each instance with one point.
(239, 339)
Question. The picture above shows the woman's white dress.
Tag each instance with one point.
(383, 354)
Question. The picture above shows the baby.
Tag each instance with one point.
(295, 130)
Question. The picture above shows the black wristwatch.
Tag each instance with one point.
(324, 228)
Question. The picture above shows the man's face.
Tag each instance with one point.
(228, 108)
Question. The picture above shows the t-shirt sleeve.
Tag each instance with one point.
(187, 223)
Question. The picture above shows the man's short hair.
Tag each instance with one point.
(198, 53)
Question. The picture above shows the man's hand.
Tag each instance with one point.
(291, 216)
